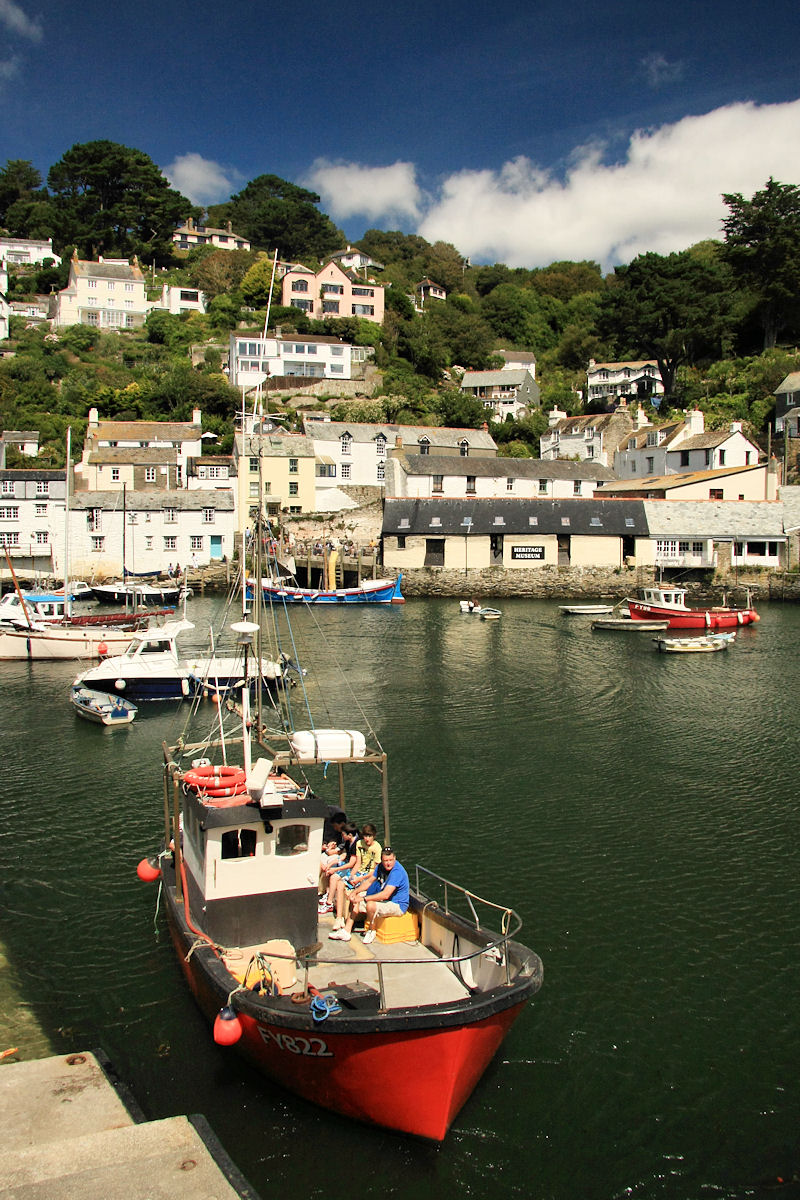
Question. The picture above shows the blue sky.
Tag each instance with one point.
(522, 133)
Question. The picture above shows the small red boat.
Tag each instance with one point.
(669, 604)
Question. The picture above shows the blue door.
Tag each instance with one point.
(216, 547)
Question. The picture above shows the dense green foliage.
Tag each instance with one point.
(712, 316)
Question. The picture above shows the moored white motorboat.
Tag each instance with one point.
(152, 669)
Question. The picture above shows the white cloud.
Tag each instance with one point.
(200, 179)
(17, 21)
(9, 68)
(664, 196)
(349, 190)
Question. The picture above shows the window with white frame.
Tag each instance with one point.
(149, 474)
(509, 483)
(9, 537)
(9, 513)
(42, 487)
(148, 542)
(8, 487)
(170, 516)
(196, 542)
(133, 518)
(170, 543)
(293, 466)
(254, 464)
(576, 487)
(98, 544)
(542, 487)
(253, 492)
(380, 446)
(293, 487)
(464, 449)
(346, 470)
(42, 537)
(41, 510)
(381, 471)
(208, 516)
(347, 443)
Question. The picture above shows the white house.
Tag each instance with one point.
(427, 289)
(109, 294)
(353, 259)
(24, 440)
(254, 359)
(141, 455)
(187, 236)
(32, 521)
(507, 394)
(177, 300)
(355, 453)
(452, 477)
(683, 445)
(160, 530)
(637, 380)
(787, 401)
(28, 251)
(212, 471)
(685, 534)
(593, 436)
(759, 481)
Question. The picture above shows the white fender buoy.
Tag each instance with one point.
(119, 684)
(185, 686)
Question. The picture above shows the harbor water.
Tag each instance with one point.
(640, 812)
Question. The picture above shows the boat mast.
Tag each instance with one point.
(67, 599)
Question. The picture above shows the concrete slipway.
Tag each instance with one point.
(69, 1130)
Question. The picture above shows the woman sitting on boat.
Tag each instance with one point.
(344, 881)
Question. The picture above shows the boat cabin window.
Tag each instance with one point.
(156, 647)
(238, 843)
(292, 839)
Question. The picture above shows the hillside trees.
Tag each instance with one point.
(673, 308)
(109, 199)
(762, 248)
(272, 213)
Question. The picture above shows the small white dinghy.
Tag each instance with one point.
(478, 610)
(101, 707)
(586, 610)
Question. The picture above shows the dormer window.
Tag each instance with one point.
(380, 445)
(347, 443)
(424, 446)
(464, 449)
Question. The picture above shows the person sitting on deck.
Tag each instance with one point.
(387, 896)
(360, 876)
(345, 862)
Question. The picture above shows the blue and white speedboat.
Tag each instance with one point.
(371, 591)
(151, 669)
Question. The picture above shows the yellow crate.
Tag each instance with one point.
(396, 929)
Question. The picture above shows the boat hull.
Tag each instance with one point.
(378, 591)
(101, 708)
(410, 1070)
(61, 644)
(693, 618)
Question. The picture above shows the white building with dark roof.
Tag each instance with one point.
(684, 445)
(141, 455)
(253, 358)
(451, 477)
(355, 453)
(108, 294)
(507, 394)
(22, 252)
(639, 379)
(590, 436)
(190, 235)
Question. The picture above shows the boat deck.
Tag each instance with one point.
(412, 974)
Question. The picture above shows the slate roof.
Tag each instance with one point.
(107, 270)
(20, 435)
(790, 384)
(132, 455)
(510, 376)
(144, 431)
(184, 501)
(666, 483)
(437, 435)
(575, 425)
(601, 518)
(273, 445)
(521, 356)
(513, 468)
(639, 438)
(18, 474)
(723, 520)
(634, 365)
(707, 440)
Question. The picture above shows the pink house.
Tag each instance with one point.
(332, 292)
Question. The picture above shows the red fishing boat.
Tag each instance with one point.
(669, 604)
(395, 1030)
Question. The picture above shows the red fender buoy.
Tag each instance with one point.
(102, 650)
(147, 871)
(227, 1027)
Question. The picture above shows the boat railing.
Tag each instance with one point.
(493, 945)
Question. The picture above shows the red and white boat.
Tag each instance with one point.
(669, 604)
(396, 1032)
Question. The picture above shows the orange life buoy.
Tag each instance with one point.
(211, 777)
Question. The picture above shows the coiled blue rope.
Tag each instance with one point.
(323, 1006)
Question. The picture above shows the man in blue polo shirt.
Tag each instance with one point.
(386, 896)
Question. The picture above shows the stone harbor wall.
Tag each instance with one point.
(565, 583)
